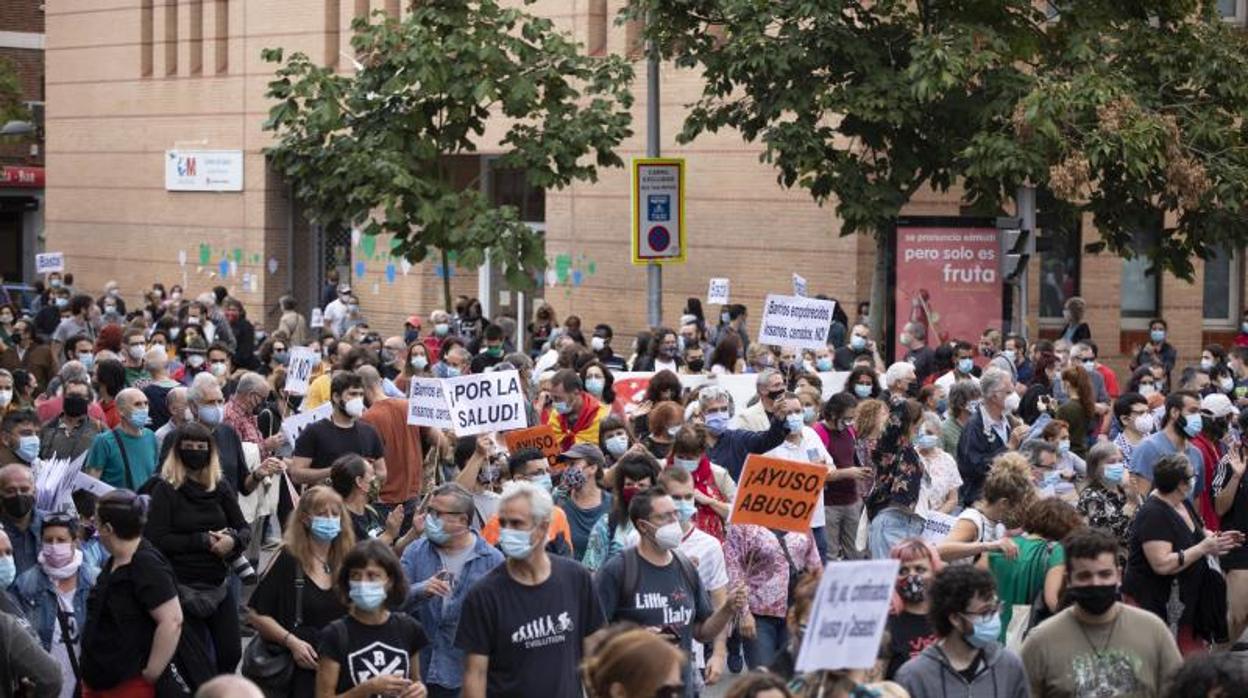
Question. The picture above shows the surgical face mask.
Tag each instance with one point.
(823, 364)
(985, 631)
(434, 530)
(28, 448)
(562, 406)
(685, 509)
(1089, 365)
(1144, 423)
(1157, 335)
(1206, 364)
(515, 544)
(862, 390)
(965, 366)
(688, 464)
(139, 418)
(368, 596)
(281, 357)
(210, 415)
(1009, 355)
(110, 309)
(808, 415)
(926, 441)
(794, 422)
(325, 528)
(594, 386)
(419, 362)
(1114, 473)
(1148, 389)
(62, 302)
(452, 372)
(159, 346)
(136, 351)
(1063, 447)
(441, 329)
(725, 318)
(6, 396)
(668, 536)
(195, 360)
(1011, 402)
(8, 571)
(617, 445)
(717, 422)
(87, 359)
(1192, 424)
(1227, 384)
(545, 482)
(1243, 327)
(57, 555)
(218, 368)
(857, 342)
(597, 343)
(354, 407)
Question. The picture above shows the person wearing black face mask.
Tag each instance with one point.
(1109, 644)
(70, 435)
(18, 516)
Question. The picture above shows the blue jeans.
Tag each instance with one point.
(769, 639)
(890, 527)
(821, 543)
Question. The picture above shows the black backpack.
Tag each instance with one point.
(632, 572)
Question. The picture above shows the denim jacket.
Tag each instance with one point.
(37, 596)
(441, 663)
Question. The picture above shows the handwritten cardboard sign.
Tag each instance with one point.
(717, 292)
(426, 404)
(541, 437)
(777, 493)
(485, 402)
(849, 615)
(294, 425)
(794, 321)
(299, 370)
(936, 526)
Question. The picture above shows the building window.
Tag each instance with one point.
(1060, 263)
(1233, 10)
(146, 37)
(1223, 279)
(171, 37)
(1141, 290)
(197, 37)
(596, 38)
(222, 38)
(333, 29)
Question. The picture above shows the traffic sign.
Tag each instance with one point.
(658, 210)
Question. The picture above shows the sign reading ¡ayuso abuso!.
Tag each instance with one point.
(203, 170)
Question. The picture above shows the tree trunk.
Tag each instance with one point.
(446, 281)
(879, 292)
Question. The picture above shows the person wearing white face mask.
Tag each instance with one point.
(1109, 501)
(322, 442)
(803, 445)
(207, 407)
(1135, 421)
(523, 626)
(656, 571)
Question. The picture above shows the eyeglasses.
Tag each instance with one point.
(991, 610)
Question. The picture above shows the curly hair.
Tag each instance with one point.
(1051, 518)
(952, 591)
(1009, 479)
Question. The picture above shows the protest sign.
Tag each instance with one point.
(426, 404)
(49, 262)
(299, 370)
(99, 488)
(799, 285)
(793, 321)
(541, 437)
(717, 294)
(848, 618)
(293, 426)
(936, 526)
(777, 493)
(485, 402)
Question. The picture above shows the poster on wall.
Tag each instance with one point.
(948, 278)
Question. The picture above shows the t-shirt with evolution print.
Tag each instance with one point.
(533, 635)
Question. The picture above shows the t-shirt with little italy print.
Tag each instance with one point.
(532, 635)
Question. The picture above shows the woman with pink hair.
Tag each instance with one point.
(909, 631)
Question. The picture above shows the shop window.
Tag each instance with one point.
(1141, 289)
(1060, 263)
(1222, 280)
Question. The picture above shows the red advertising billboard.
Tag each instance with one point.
(948, 278)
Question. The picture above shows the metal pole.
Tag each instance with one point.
(1026, 202)
(654, 271)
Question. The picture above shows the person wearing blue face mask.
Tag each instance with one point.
(863, 383)
(19, 438)
(858, 346)
(372, 650)
(803, 445)
(1180, 423)
(1157, 350)
(125, 456)
(574, 414)
(442, 566)
(1108, 502)
(729, 447)
(523, 626)
(966, 615)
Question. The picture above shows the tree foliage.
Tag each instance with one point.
(1131, 111)
(12, 106)
(371, 149)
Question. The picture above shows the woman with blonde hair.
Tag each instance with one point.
(195, 522)
(980, 528)
(295, 599)
(634, 663)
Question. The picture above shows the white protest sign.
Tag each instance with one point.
(299, 370)
(793, 321)
(99, 488)
(717, 293)
(426, 404)
(49, 262)
(294, 426)
(936, 526)
(848, 618)
(799, 285)
(485, 402)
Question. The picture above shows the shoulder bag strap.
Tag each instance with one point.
(69, 639)
(125, 460)
(785, 547)
(298, 594)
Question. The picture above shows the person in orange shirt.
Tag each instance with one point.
(529, 464)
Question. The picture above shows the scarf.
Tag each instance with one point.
(706, 518)
(584, 420)
(60, 573)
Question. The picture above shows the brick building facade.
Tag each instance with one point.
(21, 156)
(127, 81)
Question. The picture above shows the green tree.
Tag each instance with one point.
(865, 102)
(372, 149)
(12, 106)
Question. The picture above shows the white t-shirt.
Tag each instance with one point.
(486, 504)
(661, 365)
(985, 530)
(946, 381)
(940, 476)
(708, 554)
(809, 450)
(59, 652)
(336, 316)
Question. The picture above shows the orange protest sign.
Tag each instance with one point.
(540, 437)
(777, 493)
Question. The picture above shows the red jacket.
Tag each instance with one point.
(1210, 454)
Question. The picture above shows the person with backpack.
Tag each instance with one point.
(656, 586)
(768, 562)
(195, 522)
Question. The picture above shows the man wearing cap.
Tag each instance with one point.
(411, 329)
(580, 495)
(1216, 412)
(338, 312)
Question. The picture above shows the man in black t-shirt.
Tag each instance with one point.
(322, 442)
(523, 625)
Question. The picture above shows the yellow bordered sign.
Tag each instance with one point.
(658, 210)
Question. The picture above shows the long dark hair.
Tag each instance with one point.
(1044, 362)
(727, 352)
(631, 466)
(1083, 387)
